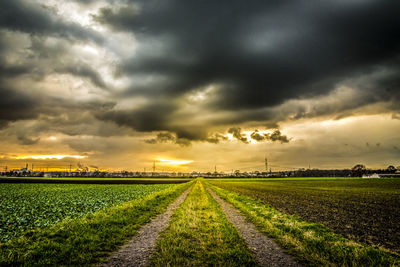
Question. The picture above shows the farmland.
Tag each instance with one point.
(69, 224)
(85, 180)
(27, 206)
(364, 210)
(90, 238)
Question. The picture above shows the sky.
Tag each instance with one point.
(199, 85)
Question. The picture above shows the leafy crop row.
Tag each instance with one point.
(27, 206)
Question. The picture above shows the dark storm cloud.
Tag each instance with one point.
(257, 136)
(260, 55)
(256, 57)
(50, 115)
(77, 119)
(24, 140)
(276, 135)
(12, 71)
(237, 133)
(151, 117)
(216, 138)
(56, 58)
(32, 58)
(15, 106)
(27, 54)
(162, 138)
(168, 138)
(32, 18)
(155, 116)
(263, 53)
(85, 71)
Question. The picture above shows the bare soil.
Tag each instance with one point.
(266, 251)
(365, 210)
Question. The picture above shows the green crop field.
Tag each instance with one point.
(27, 206)
(364, 210)
(91, 238)
(101, 179)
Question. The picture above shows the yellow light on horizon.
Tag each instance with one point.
(173, 162)
(50, 157)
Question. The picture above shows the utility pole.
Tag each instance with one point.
(32, 166)
(154, 166)
(70, 166)
(266, 164)
(215, 168)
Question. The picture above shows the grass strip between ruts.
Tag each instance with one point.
(311, 243)
(89, 239)
(200, 234)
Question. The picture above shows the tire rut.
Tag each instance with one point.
(266, 251)
(138, 251)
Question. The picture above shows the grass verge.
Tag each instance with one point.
(199, 234)
(311, 243)
(89, 239)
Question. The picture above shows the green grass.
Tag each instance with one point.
(200, 235)
(310, 243)
(88, 239)
(28, 206)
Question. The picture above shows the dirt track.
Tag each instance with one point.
(138, 251)
(266, 251)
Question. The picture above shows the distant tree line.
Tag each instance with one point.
(357, 171)
(320, 173)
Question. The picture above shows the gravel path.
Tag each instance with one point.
(266, 251)
(138, 251)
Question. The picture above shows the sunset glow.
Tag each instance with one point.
(173, 162)
(43, 157)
